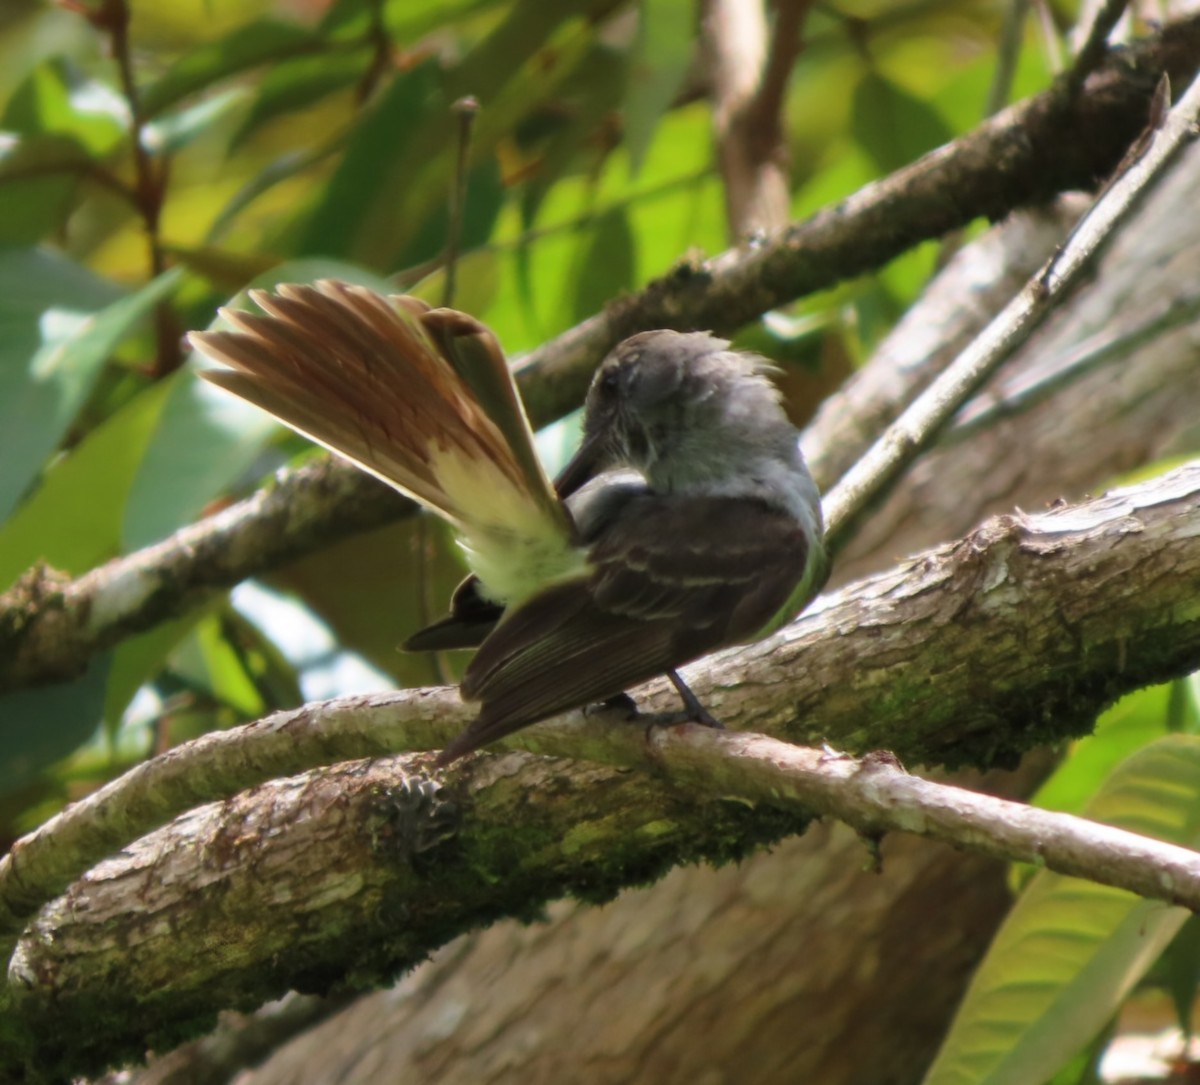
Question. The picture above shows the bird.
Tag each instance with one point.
(686, 522)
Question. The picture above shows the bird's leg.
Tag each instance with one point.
(696, 712)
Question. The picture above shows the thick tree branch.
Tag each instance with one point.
(1024, 155)
(1075, 607)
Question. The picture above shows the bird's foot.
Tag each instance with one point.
(694, 711)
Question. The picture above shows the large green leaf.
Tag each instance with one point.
(205, 439)
(661, 55)
(38, 179)
(58, 325)
(605, 263)
(1071, 950)
(173, 130)
(297, 83)
(138, 658)
(89, 113)
(209, 663)
(380, 140)
(1133, 722)
(401, 160)
(73, 521)
(893, 126)
(42, 725)
(406, 20)
(260, 42)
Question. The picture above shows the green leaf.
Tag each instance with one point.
(42, 725)
(567, 144)
(38, 179)
(892, 126)
(295, 84)
(91, 114)
(73, 521)
(137, 659)
(658, 65)
(1181, 963)
(410, 19)
(405, 20)
(173, 131)
(208, 662)
(380, 140)
(1132, 723)
(604, 267)
(1070, 950)
(205, 439)
(283, 168)
(401, 159)
(485, 198)
(261, 42)
(54, 338)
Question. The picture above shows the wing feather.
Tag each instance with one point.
(672, 578)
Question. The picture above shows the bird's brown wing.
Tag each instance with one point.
(671, 579)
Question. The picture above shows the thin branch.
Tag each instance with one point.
(1095, 43)
(1024, 155)
(875, 795)
(465, 110)
(924, 419)
(150, 189)
(749, 69)
(954, 307)
(1008, 52)
(1026, 392)
(1050, 38)
(380, 41)
(1096, 566)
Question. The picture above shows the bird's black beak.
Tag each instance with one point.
(587, 462)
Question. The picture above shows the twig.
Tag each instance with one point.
(875, 795)
(1095, 44)
(1050, 39)
(113, 17)
(381, 53)
(985, 410)
(1012, 33)
(466, 110)
(917, 427)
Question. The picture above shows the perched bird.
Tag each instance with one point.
(686, 522)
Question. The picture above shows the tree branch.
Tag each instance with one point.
(749, 69)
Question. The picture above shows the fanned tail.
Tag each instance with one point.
(421, 398)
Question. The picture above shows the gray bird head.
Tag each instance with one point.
(684, 410)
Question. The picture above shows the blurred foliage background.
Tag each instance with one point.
(156, 159)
